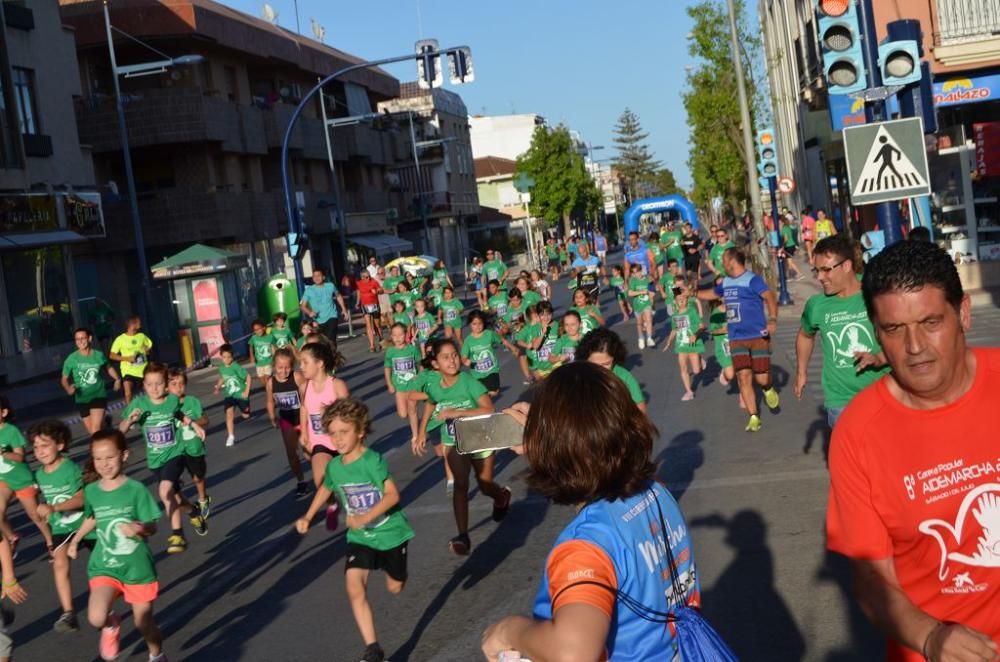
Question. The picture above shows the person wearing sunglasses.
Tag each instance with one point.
(720, 242)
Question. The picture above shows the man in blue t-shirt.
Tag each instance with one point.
(751, 318)
(317, 303)
(588, 269)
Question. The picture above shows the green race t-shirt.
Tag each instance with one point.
(715, 255)
(844, 328)
(435, 296)
(423, 324)
(234, 380)
(630, 383)
(403, 363)
(617, 282)
(391, 283)
(566, 348)
(720, 339)
(159, 428)
(440, 277)
(480, 352)
(539, 358)
(463, 394)
(641, 302)
(788, 234)
(451, 313)
(686, 323)
(668, 282)
(282, 337)
(86, 373)
(588, 322)
(16, 475)
(551, 252)
(193, 445)
(514, 314)
(263, 349)
(360, 486)
(402, 318)
(57, 486)
(498, 304)
(127, 559)
(658, 252)
(674, 250)
(494, 270)
(530, 298)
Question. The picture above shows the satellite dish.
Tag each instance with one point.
(269, 14)
(318, 30)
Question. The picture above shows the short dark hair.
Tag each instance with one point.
(602, 340)
(734, 253)
(841, 246)
(258, 322)
(478, 315)
(920, 233)
(911, 265)
(174, 373)
(54, 429)
(320, 270)
(585, 439)
(434, 346)
(280, 316)
(226, 348)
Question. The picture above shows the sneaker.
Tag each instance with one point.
(373, 653)
(66, 623)
(205, 506)
(687, 397)
(460, 545)
(230, 440)
(650, 342)
(162, 657)
(771, 398)
(449, 487)
(199, 523)
(754, 424)
(332, 517)
(108, 646)
(301, 489)
(502, 505)
(176, 544)
(642, 343)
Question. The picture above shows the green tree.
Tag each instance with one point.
(662, 182)
(562, 189)
(635, 163)
(716, 157)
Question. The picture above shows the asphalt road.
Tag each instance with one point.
(252, 589)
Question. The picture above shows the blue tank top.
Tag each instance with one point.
(638, 256)
(623, 529)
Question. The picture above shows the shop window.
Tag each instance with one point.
(38, 298)
(24, 94)
(9, 155)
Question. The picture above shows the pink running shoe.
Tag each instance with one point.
(108, 648)
(332, 516)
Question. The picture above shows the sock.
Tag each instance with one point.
(177, 532)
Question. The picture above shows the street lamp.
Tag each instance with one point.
(131, 71)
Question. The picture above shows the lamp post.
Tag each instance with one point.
(132, 70)
(596, 177)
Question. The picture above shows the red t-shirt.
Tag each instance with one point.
(923, 487)
(808, 225)
(368, 291)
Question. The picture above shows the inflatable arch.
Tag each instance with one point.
(678, 203)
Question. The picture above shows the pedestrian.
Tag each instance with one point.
(400, 316)
(552, 255)
(529, 296)
(691, 245)
(306, 328)
(604, 347)
(588, 271)
(601, 246)
(913, 489)
(668, 282)
(194, 450)
(60, 481)
(440, 276)
(318, 303)
(638, 254)
(373, 267)
(261, 345)
(514, 318)
(494, 268)
(124, 514)
(425, 325)
(497, 303)
(720, 343)
(281, 332)
(131, 349)
(598, 598)
(541, 337)
(12, 591)
(569, 338)
(788, 248)
(590, 313)
(87, 387)
(157, 413)
(377, 529)
(807, 231)
(479, 355)
(368, 291)
(659, 255)
(852, 356)
(670, 241)
(319, 361)
(450, 394)
(16, 479)
(642, 305)
(824, 227)
(540, 285)
(617, 282)
(475, 276)
(721, 243)
(284, 400)
(391, 282)
(752, 317)
(450, 315)
(234, 383)
(687, 328)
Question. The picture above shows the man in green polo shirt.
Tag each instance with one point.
(721, 242)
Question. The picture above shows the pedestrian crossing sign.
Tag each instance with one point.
(886, 161)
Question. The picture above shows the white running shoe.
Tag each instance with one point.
(230, 440)
(642, 343)
(650, 342)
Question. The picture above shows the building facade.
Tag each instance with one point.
(504, 136)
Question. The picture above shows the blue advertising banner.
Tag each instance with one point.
(973, 89)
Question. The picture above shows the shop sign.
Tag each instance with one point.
(83, 214)
(987, 138)
(966, 90)
(846, 111)
(28, 213)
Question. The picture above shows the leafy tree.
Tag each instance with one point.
(563, 188)
(635, 163)
(662, 182)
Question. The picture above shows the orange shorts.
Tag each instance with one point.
(24, 492)
(133, 593)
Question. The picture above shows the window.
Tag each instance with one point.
(24, 95)
(38, 297)
(9, 155)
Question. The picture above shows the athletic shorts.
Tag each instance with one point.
(790, 251)
(392, 561)
(24, 492)
(553, 263)
(132, 379)
(753, 354)
(264, 371)
(170, 471)
(239, 403)
(196, 465)
(133, 593)
(285, 424)
(60, 539)
(491, 382)
(371, 309)
(692, 262)
(84, 408)
(316, 448)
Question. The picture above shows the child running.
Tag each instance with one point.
(542, 337)
(590, 314)
(377, 529)
(61, 483)
(281, 333)
(234, 382)
(720, 339)
(87, 387)
(194, 449)
(262, 348)
(16, 479)
(565, 349)
(478, 354)
(424, 324)
(451, 394)
(400, 367)
(450, 313)
(617, 281)
(284, 400)
(604, 347)
(642, 305)
(157, 413)
(318, 362)
(12, 591)
(124, 514)
(665, 286)
(687, 329)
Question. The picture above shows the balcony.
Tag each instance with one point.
(967, 32)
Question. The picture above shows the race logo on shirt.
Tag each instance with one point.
(115, 543)
(973, 539)
(852, 337)
(88, 375)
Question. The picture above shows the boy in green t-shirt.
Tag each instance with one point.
(642, 305)
(234, 384)
(687, 329)
(378, 531)
(667, 283)
(16, 477)
(281, 333)
(194, 448)
(262, 346)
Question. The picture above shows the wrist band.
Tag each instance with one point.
(10, 584)
(927, 640)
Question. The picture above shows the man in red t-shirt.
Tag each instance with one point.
(368, 291)
(915, 468)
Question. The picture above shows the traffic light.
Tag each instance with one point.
(767, 154)
(840, 42)
(428, 65)
(899, 62)
(460, 66)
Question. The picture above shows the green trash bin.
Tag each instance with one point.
(278, 295)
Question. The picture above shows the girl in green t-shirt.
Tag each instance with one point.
(400, 316)
(123, 513)
(685, 335)
(424, 324)
(16, 479)
(720, 338)
(440, 276)
(542, 341)
(478, 352)
(565, 349)
(400, 368)
(642, 304)
(590, 314)
(450, 316)
(617, 281)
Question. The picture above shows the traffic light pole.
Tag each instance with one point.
(784, 298)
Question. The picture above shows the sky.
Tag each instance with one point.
(578, 63)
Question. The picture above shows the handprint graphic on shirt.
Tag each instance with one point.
(984, 505)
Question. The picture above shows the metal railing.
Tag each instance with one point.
(967, 20)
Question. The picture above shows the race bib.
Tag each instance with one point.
(501, 309)
(725, 347)
(588, 280)
(733, 313)
(449, 427)
(139, 359)
(404, 367)
(362, 498)
(287, 400)
(450, 314)
(569, 353)
(484, 362)
(682, 323)
(493, 274)
(316, 423)
(371, 308)
(161, 436)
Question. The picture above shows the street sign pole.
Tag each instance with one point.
(784, 298)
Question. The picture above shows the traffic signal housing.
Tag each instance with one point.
(899, 62)
(767, 154)
(839, 31)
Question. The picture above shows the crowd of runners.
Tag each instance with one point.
(441, 361)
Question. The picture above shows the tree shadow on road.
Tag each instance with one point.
(744, 604)
(677, 463)
(819, 429)
(866, 642)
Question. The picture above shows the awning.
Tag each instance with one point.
(10, 242)
(382, 243)
(195, 260)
